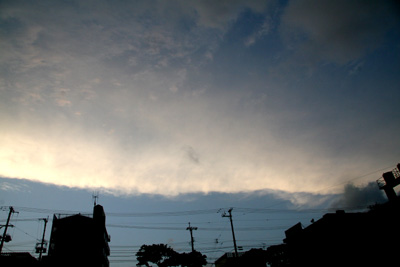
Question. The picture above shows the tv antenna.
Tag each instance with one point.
(95, 197)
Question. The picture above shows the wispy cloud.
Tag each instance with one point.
(16, 187)
(261, 32)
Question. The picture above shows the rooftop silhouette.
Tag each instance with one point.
(79, 240)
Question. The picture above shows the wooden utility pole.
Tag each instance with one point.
(233, 232)
(5, 229)
(190, 228)
(43, 242)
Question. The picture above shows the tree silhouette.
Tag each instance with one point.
(192, 259)
(159, 254)
(164, 256)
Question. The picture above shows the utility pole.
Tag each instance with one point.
(41, 249)
(233, 232)
(5, 229)
(190, 228)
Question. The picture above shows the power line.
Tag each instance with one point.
(264, 210)
(34, 237)
(49, 211)
(261, 228)
(156, 214)
(120, 214)
(354, 178)
(280, 202)
(23, 220)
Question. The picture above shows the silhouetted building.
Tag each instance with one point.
(253, 258)
(18, 259)
(79, 240)
(277, 256)
(228, 259)
(347, 239)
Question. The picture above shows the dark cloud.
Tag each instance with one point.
(360, 197)
(192, 154)
(338, 31)
(217, 14)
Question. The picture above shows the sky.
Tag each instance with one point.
(196, 105)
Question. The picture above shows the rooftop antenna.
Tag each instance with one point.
(95, 197)
(388, 181)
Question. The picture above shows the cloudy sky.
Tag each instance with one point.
(172, 98)
(198, 96)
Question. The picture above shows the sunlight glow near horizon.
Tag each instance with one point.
(84, 164)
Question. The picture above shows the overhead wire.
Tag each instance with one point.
(264, 210)
(22, 220)
(17, 228)
(354, 178)
(13, 220)
(218, 237)
(204, 228)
